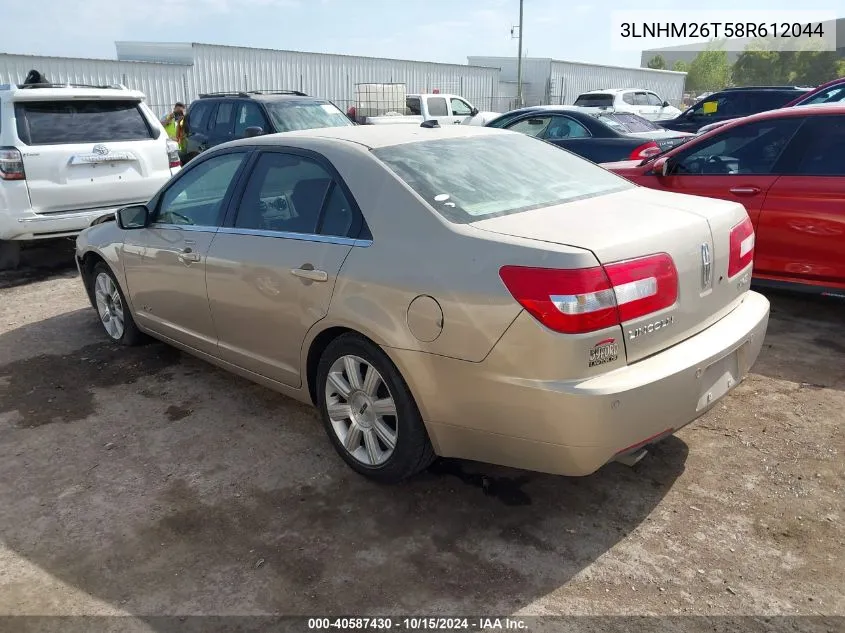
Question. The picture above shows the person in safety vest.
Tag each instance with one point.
(174, 124)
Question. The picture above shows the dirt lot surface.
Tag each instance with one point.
(143, 481)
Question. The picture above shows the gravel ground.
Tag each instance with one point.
(145, 482)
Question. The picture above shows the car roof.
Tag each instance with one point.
(616, 91)
(821, 109)
(57, 92)
(375, 136)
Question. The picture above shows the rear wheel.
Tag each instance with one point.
(369, 413)
(112, 309)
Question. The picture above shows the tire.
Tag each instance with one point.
(10, 254)
(359, 418)
(112, 309)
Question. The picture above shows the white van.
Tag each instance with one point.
(70, 154)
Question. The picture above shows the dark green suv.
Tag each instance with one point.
(218, 117)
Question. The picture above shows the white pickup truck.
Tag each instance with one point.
(446, 109)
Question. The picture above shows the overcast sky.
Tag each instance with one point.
(432, 30)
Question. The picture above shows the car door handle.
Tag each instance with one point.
(187, 255)
(745, 191)
(310, 274)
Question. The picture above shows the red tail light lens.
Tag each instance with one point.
(11, 164)
(173, 154)
(589, 299)
(742, 247)
(645, 151)
(643, 285)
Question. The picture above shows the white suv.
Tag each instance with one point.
(70, 154)
(637, 100)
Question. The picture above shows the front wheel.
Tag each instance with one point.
(369, 413)
(112, 309)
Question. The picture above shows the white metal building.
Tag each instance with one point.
(170, 72)
(550, 81)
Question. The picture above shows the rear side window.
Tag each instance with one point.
(80, 121)
(594, 101)
(437, 106)
(413, 105)
(831, 95)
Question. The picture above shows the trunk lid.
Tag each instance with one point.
(83, 154)
(694, 231)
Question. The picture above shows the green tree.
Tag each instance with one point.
(680, 66)
(762, 64)
(710, 70)
(657, 62)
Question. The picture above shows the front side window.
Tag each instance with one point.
(197, 197)
(628, 98)
(473, 178)
(460, 107)
(302, 114)
(292, 194)
(534, 126)
(249, 115)
(717, 105)
(748, 149)
(654, 100)
(80, 121)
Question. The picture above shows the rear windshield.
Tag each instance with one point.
(80, 121)
(833, 94)
(473, 178)
(594, 101)
(630, 123)
(290, 115)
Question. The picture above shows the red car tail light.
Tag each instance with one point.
(643, 285)
(589, 299)
(742, 247)
(173, 154)
(646, 150)
(11, 164)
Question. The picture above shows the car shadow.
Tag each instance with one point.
(152, 481)
(41, 261)
(805, 342)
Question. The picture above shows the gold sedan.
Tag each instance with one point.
(463, 292)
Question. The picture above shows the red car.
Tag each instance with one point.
(787, 167)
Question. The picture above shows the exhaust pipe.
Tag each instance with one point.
(632, 459)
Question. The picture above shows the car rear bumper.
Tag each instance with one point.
(28, 225)
(482, 412)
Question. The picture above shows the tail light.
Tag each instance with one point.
(173, 154)
(589, 299)
(647, 150)
(11, 164)
(742, 247)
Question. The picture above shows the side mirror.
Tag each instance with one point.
(666, 104)
(136, 217)
(255, 130)
(474, 112)
(661, 166)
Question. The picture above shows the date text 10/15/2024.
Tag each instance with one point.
(418, 624)
(722, 29)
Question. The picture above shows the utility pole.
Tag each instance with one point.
(519, 61)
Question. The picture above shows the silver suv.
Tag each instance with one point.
(70, 154)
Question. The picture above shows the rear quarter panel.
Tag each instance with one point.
(416, 253)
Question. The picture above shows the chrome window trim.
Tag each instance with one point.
(304, 237)
(184, 227)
